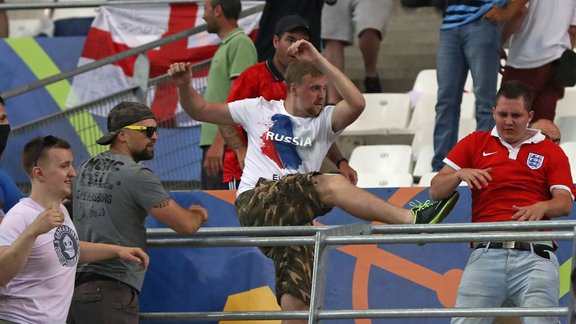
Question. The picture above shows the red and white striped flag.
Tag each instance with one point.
(118, 28)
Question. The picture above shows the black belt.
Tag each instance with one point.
(539, 249)
(84, 277)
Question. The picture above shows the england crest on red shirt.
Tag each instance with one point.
(534, 161)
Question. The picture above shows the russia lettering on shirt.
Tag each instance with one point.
(281, 143)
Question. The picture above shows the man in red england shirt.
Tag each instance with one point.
(266, 79)
(515, 174)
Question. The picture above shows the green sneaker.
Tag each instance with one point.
(432, 212)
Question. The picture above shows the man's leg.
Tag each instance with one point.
(334, 52)
(337, 32)
(483, 283)
(371, 18)
(452, 69)
(481, 43)
(335, 190)
(535, 281)
(545, 91)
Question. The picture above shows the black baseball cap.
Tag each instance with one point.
(124, 114)
(290, 23)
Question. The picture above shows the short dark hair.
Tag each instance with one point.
(2, 101)
(230, 8)
(297, 70)
(515, 89)
(35, 150)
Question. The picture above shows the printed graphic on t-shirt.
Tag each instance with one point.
(281, 143)
(66, 244)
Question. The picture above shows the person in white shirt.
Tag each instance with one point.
(287, 140)
(39, 247)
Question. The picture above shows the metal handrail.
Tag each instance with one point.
(376, 229)
(461, 233)
(355, 314)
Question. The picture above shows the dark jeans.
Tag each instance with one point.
(104, 302)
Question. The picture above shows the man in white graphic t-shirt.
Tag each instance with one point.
(287, 141)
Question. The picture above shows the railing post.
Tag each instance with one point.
(321, 250)
(572, 299)
(141, 76)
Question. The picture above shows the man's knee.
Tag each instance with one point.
(329, 185)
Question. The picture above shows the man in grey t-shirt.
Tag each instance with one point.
(113, 194)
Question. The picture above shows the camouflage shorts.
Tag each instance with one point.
(290, 201)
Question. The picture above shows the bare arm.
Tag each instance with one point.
(192, 103)
(352, 104)
(502, 15)
(572, 33)
(335, 155)
(183, 221)
(92, 252)
(13, 258)
(448, 179)
(512, 25)
(559, 205)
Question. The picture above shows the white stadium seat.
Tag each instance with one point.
(384, 113)
(382, 158)
(384, 180)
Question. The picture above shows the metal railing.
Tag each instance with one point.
(326, 237)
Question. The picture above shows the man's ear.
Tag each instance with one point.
(38, 173)
(217, 10)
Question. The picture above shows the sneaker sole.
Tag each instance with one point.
(446, 209)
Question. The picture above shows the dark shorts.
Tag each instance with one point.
(290, 201)
(544, 89)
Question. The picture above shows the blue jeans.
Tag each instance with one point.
(496, 277)
(475, 47)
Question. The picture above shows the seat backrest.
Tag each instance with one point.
(380, 180)
(426, 178)
(566, 106)
(382, 158)
(384, 112)
(570, 150)
(567, 126)
(425, 109)
(424, 161)
(426, 82)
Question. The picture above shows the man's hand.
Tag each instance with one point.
(181, 73)
(348, 172)
(214, 157)
(134, 255)
(478, 178)
(241, 156)
(48, 219)
(548, 129)
(200, 212)
(304, 51)
(534, 212)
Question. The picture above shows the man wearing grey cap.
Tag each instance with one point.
(112, 196)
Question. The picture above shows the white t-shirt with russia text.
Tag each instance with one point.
(279, 143)
(42, 291)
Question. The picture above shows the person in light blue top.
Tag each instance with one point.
(469, 41)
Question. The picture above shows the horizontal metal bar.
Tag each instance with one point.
(347, 240)
(86, 4)
(358, 314)
(116, 57)
(376, 229)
